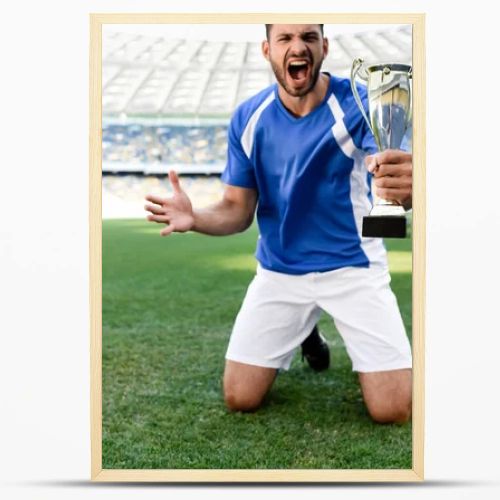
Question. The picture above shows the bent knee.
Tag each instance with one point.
(394, 414)
(241, 402)
(245, 386)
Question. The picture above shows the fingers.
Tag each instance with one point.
(393, 170)
(168, 230)
(156, 199)
(399, 166)
(154, 209)
(371, 163)
(394, 188)
(392, 173)
(174, 181)
(161, 203)
(164, 219)
(160, 208)
(397, 182)
(159, 214)
(385, 162)
(393, 156)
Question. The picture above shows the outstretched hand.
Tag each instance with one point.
(176, 211)
(392, 171)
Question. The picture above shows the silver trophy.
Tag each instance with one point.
(389, 105)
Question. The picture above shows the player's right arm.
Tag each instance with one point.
(233, 214)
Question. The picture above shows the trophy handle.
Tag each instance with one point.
(357, 64)
(410, 114)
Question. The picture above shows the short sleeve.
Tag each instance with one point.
(239, 170)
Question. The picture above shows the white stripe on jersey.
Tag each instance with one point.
(247, 137)
(372, 247)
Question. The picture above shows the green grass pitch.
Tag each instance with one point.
(168, 308)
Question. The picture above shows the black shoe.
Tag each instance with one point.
(316, 351)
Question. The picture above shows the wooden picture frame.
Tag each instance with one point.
(416, 473)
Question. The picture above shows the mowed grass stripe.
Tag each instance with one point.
(168, 309)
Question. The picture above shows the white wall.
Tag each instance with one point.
(44, 362)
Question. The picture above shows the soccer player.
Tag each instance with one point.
(301, 157)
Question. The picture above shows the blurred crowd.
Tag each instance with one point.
(164, 144)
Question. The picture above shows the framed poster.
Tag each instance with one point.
(163, 89)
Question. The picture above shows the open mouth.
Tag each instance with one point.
(298, 69)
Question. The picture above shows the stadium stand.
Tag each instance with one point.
(155, 149)
(158, 77)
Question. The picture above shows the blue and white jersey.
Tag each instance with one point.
(309, 172)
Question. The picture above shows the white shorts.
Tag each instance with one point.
(280, 310)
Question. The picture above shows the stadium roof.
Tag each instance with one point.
(151, 76)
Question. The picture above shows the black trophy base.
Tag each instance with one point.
(384, 226)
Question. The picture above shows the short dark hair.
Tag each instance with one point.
(268, 30)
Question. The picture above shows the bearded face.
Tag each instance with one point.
(296, 53)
